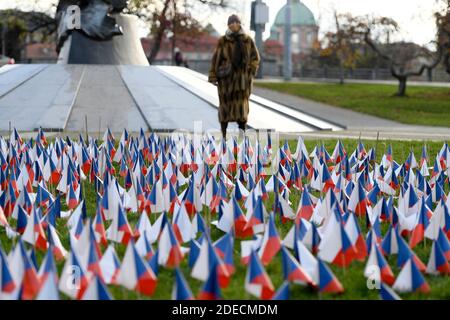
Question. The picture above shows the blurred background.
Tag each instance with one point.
(328, 38)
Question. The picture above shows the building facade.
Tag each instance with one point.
(305, 30)
(196, 50)
(304, 38)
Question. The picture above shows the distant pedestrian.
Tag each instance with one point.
(178, 57)
(233, 67)
(186, 63)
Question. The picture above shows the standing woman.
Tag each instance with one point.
(234, 65)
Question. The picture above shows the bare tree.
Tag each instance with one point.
(160, 22)
(341, 44)
(16, 25)
(443, 32)
(346, 46)
(168, 15)
(405, 59)
(345, 43)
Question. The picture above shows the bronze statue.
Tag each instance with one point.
(96, 21)
(104, 36)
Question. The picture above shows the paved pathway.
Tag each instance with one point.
(388, 82)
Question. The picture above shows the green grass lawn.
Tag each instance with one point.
(352, 278)
(423, 105)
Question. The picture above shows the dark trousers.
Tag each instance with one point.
(224, 126)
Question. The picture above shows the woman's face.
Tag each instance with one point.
(235, 26)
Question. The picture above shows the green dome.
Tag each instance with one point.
(301, 15)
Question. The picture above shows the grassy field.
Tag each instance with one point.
(352, 278)
(423, 105)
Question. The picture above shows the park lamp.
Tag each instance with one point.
(259, 19)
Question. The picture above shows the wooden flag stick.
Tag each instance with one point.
(99, 127)
(376, 143)
(86, 127)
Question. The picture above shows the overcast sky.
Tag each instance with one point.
(414, 16)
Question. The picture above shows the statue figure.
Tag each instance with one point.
(104, 36)
(95, 19)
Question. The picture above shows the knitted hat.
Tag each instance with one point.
(234, 18)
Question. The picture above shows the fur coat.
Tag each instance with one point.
(235, 89)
